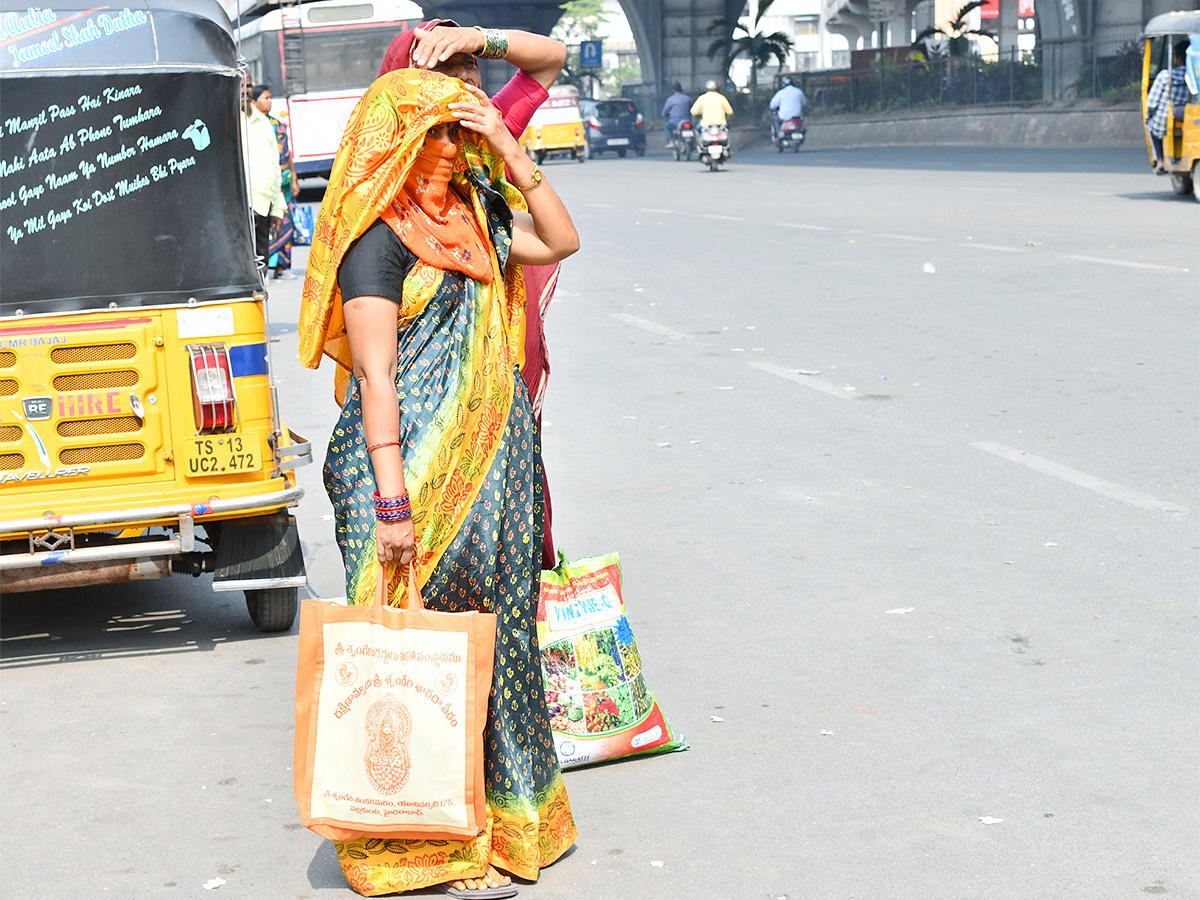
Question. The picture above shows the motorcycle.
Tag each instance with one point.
(683, 144)
(714, 146)
(789, 133)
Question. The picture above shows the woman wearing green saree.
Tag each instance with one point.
(414, 288)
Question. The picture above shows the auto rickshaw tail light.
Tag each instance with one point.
(213, 399)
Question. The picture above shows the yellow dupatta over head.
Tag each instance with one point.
(446, 469)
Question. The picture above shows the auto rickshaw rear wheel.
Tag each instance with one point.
(272, 609)
(1182, 184)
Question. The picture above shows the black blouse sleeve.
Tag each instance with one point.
(375, 265)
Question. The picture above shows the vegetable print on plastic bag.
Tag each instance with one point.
(600, 707)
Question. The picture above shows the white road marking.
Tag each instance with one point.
(995, 247)
(653, 327)
(904, 237)
(806, 380)
(650, 209)
(1118, 262)
(726, 218)
(807, 227)
(601, 205)
(1080, 479)
(991, 190)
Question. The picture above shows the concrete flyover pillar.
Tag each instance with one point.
(849, 18)
(673, 40)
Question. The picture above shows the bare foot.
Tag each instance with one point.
(494, 878)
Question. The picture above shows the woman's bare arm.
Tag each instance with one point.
(546, 234)
(538, 56)
(371, 325)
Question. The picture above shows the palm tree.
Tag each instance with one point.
(759, 48)
(956, 38)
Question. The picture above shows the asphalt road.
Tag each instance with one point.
(948, 578)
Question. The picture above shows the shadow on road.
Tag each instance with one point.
(120, 620)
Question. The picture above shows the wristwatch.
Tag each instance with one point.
(534, 180)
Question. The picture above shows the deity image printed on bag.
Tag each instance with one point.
(389, 726)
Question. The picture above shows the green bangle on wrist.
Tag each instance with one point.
(495, 43)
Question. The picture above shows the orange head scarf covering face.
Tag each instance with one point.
(433, 221)
(380, 148)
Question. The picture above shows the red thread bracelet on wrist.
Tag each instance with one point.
(371, 447)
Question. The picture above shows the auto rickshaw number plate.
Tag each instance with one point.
(222, 454)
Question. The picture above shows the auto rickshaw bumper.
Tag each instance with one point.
(54, 560)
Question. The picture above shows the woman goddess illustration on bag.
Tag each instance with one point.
(388, 728)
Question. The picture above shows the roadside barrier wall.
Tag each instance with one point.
(1101, 126)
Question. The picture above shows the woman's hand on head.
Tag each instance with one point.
(396, 542)
(484, 119)
(441, 42)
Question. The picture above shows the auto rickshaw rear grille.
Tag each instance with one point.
(87, 353)
(83, 456)
(91, 381)
(8, 387)
(8, 359)
(10, 461)
(10, 434)
(79, 427)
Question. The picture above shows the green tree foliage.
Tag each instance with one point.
(582, 20)
(957, 35)
(733, 39)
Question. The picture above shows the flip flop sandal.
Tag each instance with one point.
(491, 893)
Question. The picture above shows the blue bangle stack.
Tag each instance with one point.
(392, 509)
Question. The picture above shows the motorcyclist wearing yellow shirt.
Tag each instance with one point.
(711, 106)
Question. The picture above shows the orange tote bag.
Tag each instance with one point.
(391, 706)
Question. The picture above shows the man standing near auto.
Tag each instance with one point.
(677, 109)
(788, 103)
(263, 175)
(711, 106)
(1168, 90)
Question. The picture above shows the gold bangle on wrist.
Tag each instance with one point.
(534, 180)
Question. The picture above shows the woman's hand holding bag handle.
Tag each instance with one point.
(391, 706)
(415, 604)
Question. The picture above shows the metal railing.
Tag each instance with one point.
(1058, 70)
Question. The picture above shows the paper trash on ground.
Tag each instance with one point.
(901, 611)
(988, 820)
(213, 883)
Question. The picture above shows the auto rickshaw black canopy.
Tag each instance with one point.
(1183, 22)
(121, 178)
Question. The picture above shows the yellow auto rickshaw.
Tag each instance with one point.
(556, 128)
(1164, 36)
(139, 431)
